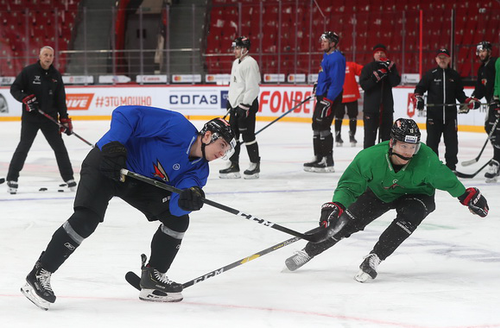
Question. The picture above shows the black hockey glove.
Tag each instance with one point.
(476, 202)
(379, 74)
(191, 199)
(241, 110)
(30, 103)
(419, 101)
(114, 158)
(330, 212)
(67, 126)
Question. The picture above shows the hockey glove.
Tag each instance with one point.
(325, 107)
(476, 202)
(241, 111)
(330, 212)
(495, 105)
(114, 158)
(315, 85)
(379, 74)
(30, 103)
(473, 103)
(191, 199)
(419, 101)
(67, 126)
(386, 64)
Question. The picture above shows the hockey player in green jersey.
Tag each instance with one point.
(400, 174)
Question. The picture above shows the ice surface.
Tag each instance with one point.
(445, 275)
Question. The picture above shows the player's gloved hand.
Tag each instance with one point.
(315, 85)
(241, 110)
(495, 105)
(191, 199)
(476, 202)
(67, 126)
(385, 63)
(463, 109)
(30, 103)
(379, 74)
(325, 107)
(473, 103)
(419, 101)
(114, 158)
(330, 212)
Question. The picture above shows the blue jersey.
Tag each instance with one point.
(158, 143)
(331, 75)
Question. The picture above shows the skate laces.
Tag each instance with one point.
(301, 257)
(162, 277)
(44, 278)
(372, 260)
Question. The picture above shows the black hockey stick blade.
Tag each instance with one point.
(471, 175)
(475, 160)
(135, 281)
(313, 237)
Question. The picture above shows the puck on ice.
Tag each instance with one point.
(42, 189)
(2, 180)
(60, 190)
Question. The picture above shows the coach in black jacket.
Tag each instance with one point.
(377, 80)
(40, 86)
(444, 87)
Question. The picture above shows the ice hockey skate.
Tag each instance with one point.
(12, 187)
(368, 268)
(231, 172)
(338, 140)
(37, 288)
(156, 287)
(308, 167)
(71, 185)
(324, 166)
(252, 172)
(352, 140)
(493, 172)
(297, 260)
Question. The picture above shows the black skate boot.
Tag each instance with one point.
(37, 288)
(324, 166)
(231, 172)
(352, 140)
(252, 172)
(493, 172)
(338, 139)
(368, 268)
(71, 185)
(12, 187)
(308, 167)
(156, 287)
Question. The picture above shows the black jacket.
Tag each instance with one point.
(444, 86)
(46, 85)
(485, 83)
(378, 93)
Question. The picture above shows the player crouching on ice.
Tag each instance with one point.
(400, 174)
(156, 143)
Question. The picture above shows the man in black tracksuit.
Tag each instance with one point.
(377, 80)
(40, 86)
(444, 86)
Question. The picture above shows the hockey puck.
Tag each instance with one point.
(42, 189)
(60, 190)
(63, 185)
(2, 180)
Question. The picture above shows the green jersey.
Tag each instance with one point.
(372, 168)
(496, 90)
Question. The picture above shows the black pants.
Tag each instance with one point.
(373, 123)
(29, 130)
(411, 210)
(448, 129)
(245, 127)
(495, 137)
(352, 113)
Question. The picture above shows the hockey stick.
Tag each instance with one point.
(135, 280)
(471, 175)
(62, 126)
(317, 237)
(284, 114)
(450, 105)
(475, 160)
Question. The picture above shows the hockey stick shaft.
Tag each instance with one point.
(63, 127)
(284, 114)
(475, 160)
(471, 175)
(134, 280)
(449, 105)
(310, 237)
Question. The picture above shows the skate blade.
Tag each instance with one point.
(30, 294)
(329, 169)
(353, 144)
(362, 277)
(308, 169)
(339, 144)
(229, 176)
(153, 295)
(251, 176)
(491, 180)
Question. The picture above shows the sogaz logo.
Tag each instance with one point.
(194, 99)
(223, 99)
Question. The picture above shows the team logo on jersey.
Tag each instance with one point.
(159, 172)
(37, 80)
(484, 81)
(394, 185)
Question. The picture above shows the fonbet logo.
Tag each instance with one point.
(79, 101)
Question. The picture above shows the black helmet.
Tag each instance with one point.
(242, 42)
(406, 130)
(483, 45)
(330, 36)
(220, 128)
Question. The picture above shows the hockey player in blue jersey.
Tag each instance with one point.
(156, 143)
